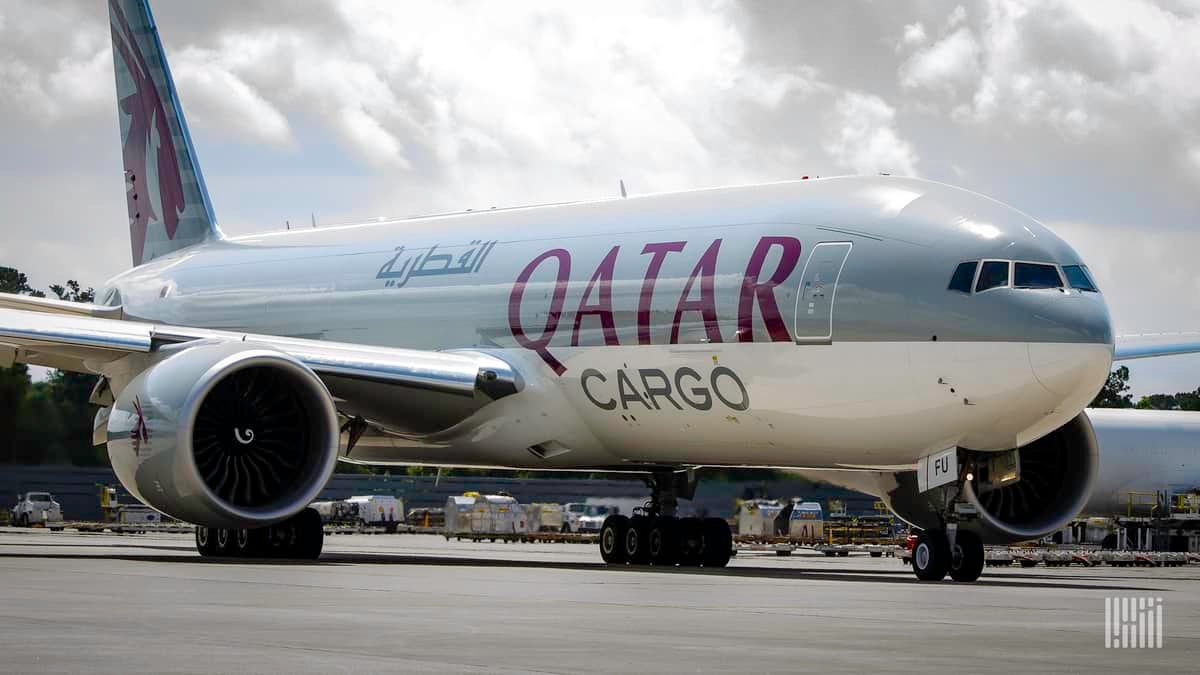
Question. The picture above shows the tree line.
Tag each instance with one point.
(1115, 394)
(49, 421)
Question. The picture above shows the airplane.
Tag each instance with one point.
(869, 323)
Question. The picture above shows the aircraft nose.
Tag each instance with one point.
(1073, 353)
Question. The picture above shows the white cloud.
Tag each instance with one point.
(222, 100)
(914, 34)
(947, 65)
(866, 140)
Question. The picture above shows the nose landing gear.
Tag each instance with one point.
(656, 536)
(935, 555)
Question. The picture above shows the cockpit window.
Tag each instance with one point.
(1079, 278)
(1032, 275)
(964, 274)
(993, 275)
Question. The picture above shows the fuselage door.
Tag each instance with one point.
(818, 287)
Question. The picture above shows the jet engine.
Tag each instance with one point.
(224, 435)
(1032, 491)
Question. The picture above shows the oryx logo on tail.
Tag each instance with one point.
(147, 143)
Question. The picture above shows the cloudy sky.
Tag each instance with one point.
(1085, 115)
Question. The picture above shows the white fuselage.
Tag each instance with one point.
(698, 328)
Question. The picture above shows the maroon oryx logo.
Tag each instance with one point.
(140, 433)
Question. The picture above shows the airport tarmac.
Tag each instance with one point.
(147, 603)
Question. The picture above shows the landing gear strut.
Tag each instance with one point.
(656, 536)
(300, 537)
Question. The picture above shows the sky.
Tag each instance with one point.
(1085, 115)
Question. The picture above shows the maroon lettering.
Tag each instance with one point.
(764, 292)
(705, 270)
(659, 251)
(603, 306)
(541, 344)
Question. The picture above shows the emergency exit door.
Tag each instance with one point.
(818, 288)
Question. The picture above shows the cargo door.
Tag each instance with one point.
(818, 288)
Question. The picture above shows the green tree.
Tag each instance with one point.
(14, 381)
(50, 421)
(1115, 393)
(1188, 400)
(1158, 402)
(69, 393)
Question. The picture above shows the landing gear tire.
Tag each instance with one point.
(931, 556)
(206, 541)
(637, 544)
(226, 542)
(718, 543)
(612, 539)
(691, 542)
(663, 541)
(248, 543)
(309, 536)
(966, 558)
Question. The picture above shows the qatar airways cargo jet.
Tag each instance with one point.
(864, 323)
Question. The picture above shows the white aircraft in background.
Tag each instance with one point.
(884, 325)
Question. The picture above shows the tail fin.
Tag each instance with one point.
(168, 203)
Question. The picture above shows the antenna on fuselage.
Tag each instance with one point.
(313, 215)
(288, 225)
(622, 182)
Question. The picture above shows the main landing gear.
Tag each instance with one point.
(938, 552)
(655, 536)
(300, 537)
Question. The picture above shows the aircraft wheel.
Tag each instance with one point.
(277, 540)
(691, 541)
(931, 555)
(612, 539)
(250, 543)
(663, 541)
(966, 559)
(206, 541)
(637, 548)
(309, 537)
(226, 542)
(718, 542)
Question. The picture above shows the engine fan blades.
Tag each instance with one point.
(251, 437)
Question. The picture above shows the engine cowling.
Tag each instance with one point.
(225, 435)
(1057, 473)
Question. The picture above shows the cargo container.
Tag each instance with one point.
(545, 517)
(477, 514)
(756, 517)
(807, 522)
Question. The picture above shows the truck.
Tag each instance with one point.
(37, 508)
(579, 517)
(364, 511)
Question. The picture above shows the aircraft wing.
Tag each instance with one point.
(379, 383)
(1147, 345)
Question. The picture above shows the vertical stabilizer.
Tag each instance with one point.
(168, 203)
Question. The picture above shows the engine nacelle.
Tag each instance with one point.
(1057, 473)
(225, 435)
